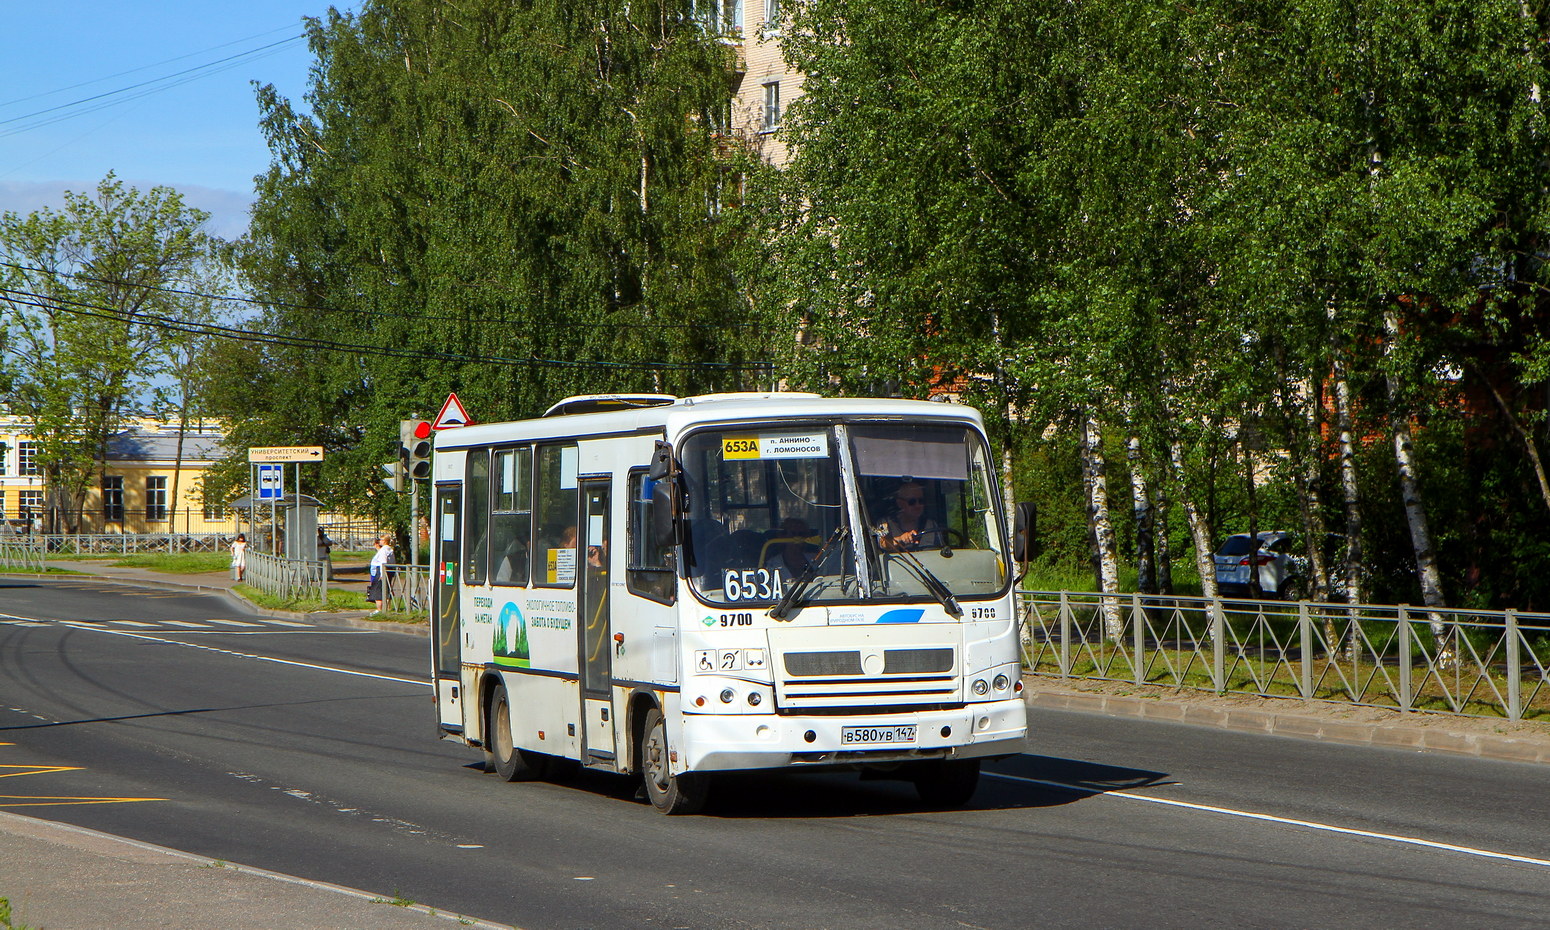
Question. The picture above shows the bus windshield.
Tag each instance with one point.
(772, 505)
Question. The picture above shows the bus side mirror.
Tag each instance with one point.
(661, 462)
(1025, 533)
(663, 526)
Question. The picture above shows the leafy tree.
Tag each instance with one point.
(89, 291)
(514, 201)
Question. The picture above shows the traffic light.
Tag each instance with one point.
(395, 475)
(414, 448)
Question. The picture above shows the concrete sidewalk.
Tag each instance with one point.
(60, 877)
(1486, 738)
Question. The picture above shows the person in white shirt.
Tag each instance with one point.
(376, 587)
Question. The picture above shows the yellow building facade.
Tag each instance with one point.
(145, 485)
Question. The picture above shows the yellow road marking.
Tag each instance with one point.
(37, 769)
(22, 800)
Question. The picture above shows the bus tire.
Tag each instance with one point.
(668, 793)
(510, 763)
(947, 782)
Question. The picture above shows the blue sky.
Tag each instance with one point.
(159, 92)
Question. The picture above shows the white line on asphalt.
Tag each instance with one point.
(1287, 821)
(187, 625)
(290, 623)
(148, 626)
(234, 622)
(231, 652)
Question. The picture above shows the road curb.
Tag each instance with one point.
(1396, 732)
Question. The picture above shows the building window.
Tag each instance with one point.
(771, 16)
(113, 498)
(771, 107)
(5, 457)
(719, 16)
(215, 512)
(156, 497)
(30, 504)
(2, 504)
(27, 458)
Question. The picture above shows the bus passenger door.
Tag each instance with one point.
(593, 628)
(446, 613)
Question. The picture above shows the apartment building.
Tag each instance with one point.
(764, 85)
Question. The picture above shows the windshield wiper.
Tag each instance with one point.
(925, 576)
(789, 599)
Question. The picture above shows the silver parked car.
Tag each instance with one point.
(1280, 569)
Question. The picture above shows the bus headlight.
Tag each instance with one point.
(1002, 682)
(727, 694)
(754, 698)
(980, 687)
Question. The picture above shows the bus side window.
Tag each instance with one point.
(555, 508)
(511, 523)
(476, 518)
(649, 568)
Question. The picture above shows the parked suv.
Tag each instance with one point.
(1280, 570)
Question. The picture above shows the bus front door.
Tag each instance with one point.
(594, 627)
(446, 614)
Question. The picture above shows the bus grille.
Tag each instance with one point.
(816, 681)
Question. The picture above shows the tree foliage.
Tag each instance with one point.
(512, 201)
(88, 291)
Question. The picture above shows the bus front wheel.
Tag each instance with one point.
(947, 782)
(510, 763)
(669, 793)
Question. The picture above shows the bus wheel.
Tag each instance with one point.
(947, 782)
(670, 794)
(510, 762)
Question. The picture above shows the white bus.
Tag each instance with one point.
(673, 587)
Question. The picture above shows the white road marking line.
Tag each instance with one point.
(187, 624)
(148, 626)
(291, 623)
(234, 622)
(1286, 821)
(232, 652)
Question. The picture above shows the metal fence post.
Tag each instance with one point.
(1138, 619)
(1405, 696)
(1218, 648)
(1514, 668)
(1305, 633)
(1065, 635)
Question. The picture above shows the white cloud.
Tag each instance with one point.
(228, 209)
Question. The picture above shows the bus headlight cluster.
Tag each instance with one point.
(980, 687)
(733, 697)
(1002, 682)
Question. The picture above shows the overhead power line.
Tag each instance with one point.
(50, 115)
(40, 301)
(428, 317)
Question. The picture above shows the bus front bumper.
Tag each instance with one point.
(764, 741)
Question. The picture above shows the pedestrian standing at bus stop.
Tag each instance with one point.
(376, 586)
(239, 557)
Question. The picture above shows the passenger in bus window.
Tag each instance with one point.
(908, 527)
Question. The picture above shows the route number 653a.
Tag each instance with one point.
(759, 584)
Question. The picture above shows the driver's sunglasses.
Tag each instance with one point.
(912, 501)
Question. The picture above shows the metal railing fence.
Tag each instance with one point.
(1475, 663)
(290, 579)
(20, 554)
(130, 543)
(408, 589)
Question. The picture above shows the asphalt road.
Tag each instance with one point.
(311, 751)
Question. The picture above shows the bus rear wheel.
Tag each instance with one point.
(669, 793)
(510, 763)
(947, 782)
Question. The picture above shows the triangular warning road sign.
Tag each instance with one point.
(452, 415)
